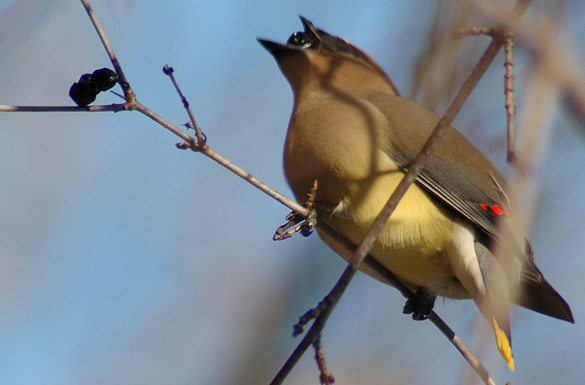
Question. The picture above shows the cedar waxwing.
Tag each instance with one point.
(455, 233)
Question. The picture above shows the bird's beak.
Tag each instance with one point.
(298, 41)
(274, 48)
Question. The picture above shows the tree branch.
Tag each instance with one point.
(104, 108)
(128, 93)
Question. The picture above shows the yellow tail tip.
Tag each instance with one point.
(503, 344)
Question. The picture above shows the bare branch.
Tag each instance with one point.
(128, 93)
(315, 331)
(509, 93)
(103, 108)
(169, 71)
(508, 38)
(541, 36)
(325, 377)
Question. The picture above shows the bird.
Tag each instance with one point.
(456, 233)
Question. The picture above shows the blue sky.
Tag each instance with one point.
(126, 261)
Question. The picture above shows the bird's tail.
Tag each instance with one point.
(538, 295)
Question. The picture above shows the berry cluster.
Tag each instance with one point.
(88, 86)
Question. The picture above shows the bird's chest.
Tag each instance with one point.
(336, 143)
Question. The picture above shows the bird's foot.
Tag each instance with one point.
(420, 305)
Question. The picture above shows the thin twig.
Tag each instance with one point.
(210, 153)
(169, 71)
(175, 130)
(539, 37)
(315, 330)
(309, 224)
(508, 38)
(128, 93)
(476, 31)
(309, 315)
(102, 108)
(509, 94)
(255, 182)
(325, 376)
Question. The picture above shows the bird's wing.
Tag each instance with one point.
(457, 173)
(461, 177)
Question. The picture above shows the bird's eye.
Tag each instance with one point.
(301, 39)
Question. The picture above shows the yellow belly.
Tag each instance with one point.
(412, 243)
